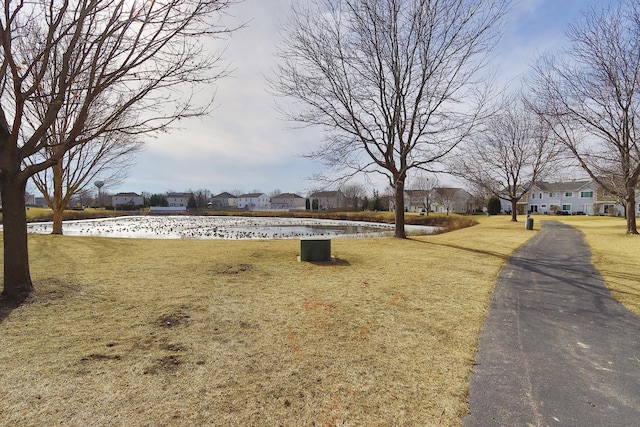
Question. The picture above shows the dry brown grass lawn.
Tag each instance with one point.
(237, 333)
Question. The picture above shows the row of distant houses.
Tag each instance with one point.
(249, 201)
(438, 200)
(576, 197)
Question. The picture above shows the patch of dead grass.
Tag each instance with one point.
(150, 332)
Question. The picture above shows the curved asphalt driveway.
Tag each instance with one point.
(557, 349)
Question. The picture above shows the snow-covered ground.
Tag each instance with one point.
(221, 227)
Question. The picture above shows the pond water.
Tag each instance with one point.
(220, 227)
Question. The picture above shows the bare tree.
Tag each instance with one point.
(423, 190)
(386, 80)
(514, 151)
(446, 197)
(128, 67)
(353, 194)
(101, 158)
(590, 94)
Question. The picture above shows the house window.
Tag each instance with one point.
(533, 195)
(568, 194)
(566, 208)
(552, 194)
(543, 206)
(540, 196)
(584, 194)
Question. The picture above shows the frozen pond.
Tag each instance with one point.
(221, 227)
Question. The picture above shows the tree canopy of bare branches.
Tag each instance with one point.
(104, 158)
(393, 83)
(590, 93)
(515, 149)
(108, 67)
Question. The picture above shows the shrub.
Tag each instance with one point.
(493, 206)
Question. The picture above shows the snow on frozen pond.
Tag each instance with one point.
(220, 227)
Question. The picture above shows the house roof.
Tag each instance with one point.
(417, 193)
(251, 195)
(560, 186)
(447, 190)
(319, 194)
(225, 195)
(286, 196)
(127, 195)
(178, 194)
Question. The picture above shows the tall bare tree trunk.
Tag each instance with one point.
(17, 278)
(630, 212)
(514, 211)
(399, 231)
(59, 201)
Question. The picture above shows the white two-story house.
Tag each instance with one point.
(254, 201)
(178, 200)
(572, 198)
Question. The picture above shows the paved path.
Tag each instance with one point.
(557, 349)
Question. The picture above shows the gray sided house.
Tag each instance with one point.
(131, 200)
(452, 200)
(584, 197)
(224, 201)
(288, 201)
(326, 200)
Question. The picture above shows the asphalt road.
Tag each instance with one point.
(556, 349)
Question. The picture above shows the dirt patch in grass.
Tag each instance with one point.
(172, 320)
(387, 337)
(233, 269)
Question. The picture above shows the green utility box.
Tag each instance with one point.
(315, 249)
(529, 224)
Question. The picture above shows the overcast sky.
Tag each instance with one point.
(245, 145)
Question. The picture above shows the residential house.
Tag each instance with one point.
(127, 200)
(254, 201)
(418, 200)
(288, 201)
(326, 200)
(583, 197)
(224, 201)
(452, 200)
(178, 200)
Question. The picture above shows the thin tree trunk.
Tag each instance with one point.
(17, 278)
(399, 232)
(514, 211)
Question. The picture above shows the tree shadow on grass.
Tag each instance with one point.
(463, 248)
(7, 305)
